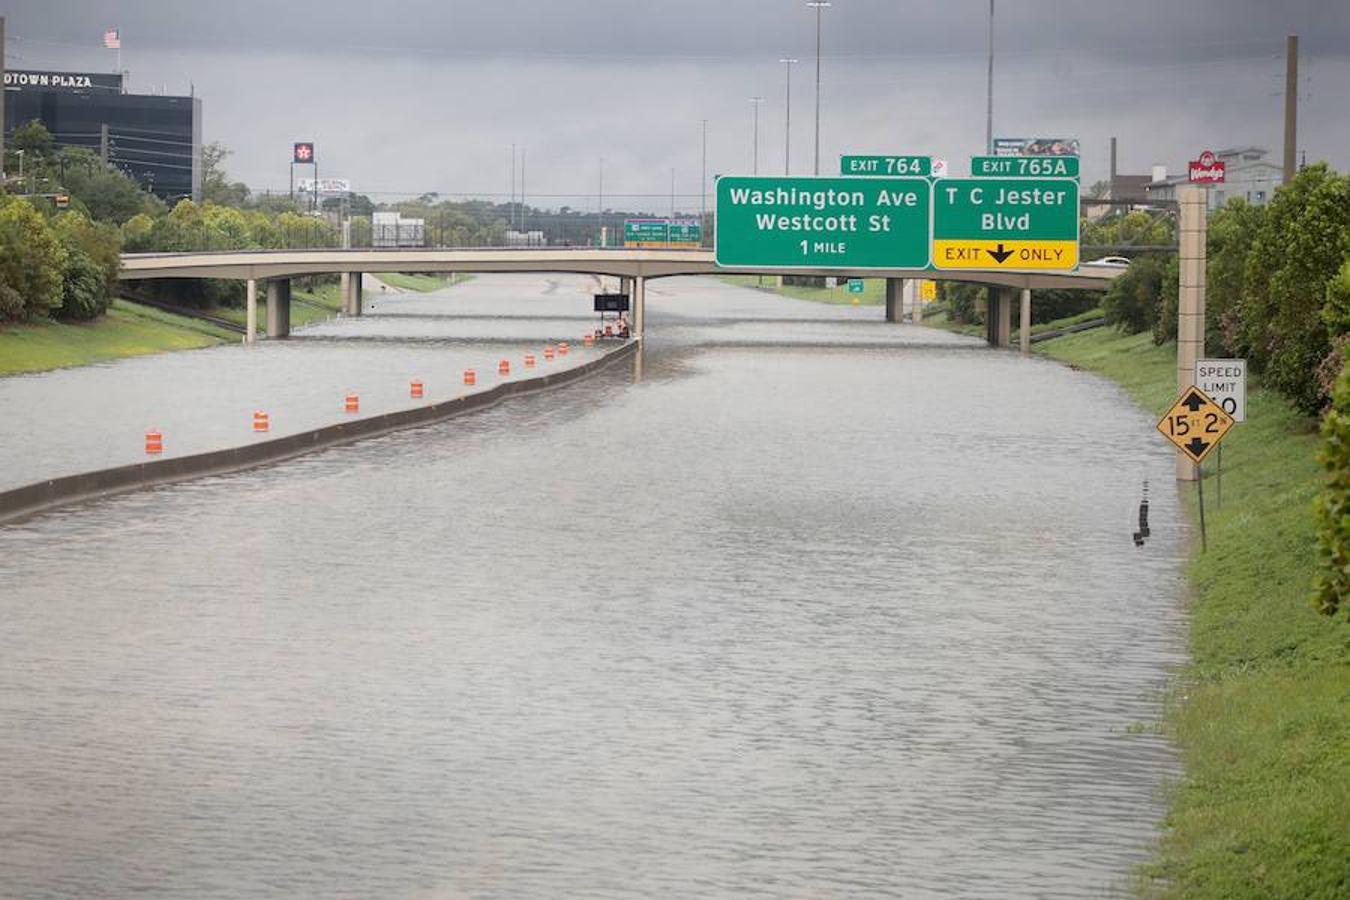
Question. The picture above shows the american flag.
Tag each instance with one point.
(112, 39)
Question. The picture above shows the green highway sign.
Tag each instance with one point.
(843, 222)
(661, 232)
(1024, 166)
(886, 165)
(1012, 223)
(855, 285)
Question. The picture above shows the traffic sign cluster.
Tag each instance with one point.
(890, 212)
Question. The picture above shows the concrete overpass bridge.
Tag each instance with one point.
(634, 266)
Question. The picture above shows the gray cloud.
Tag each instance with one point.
(419, 95)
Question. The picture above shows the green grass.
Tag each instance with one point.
(127, 330)
(1261, 714)
(874, 290)
(417, 282)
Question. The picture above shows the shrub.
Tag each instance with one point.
(32, 262)
(1131, 303)
(1332, 587)
(84, 293)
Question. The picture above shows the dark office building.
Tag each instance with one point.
(154, 139)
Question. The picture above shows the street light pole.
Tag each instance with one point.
(600, 203)
(788, 63)
(819, 5)
(755, 102)
(989, 108)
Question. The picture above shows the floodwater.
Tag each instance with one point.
(799, 604)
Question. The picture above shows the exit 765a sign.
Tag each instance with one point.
(1005, 223)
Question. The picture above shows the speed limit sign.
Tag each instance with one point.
(1224, 380)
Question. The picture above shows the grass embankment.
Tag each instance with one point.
(938, 317)
(1261, 714)
(127, 330)
(409, 281)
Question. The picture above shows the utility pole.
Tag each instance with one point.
(703, 183)
(788, 62)
(511, 204)
(989, 107)
(2, 96)
(522, 190)
(600, 203)
(755, 102)
(819, 5)
(1290, 108)
(103, 145)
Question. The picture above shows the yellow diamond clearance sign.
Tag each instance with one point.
(1195, 424)
(1005, 223)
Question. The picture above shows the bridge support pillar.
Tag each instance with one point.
(895, 299)
(279, 308)
(351, 293)
(1024, 332)
(638, 299)
(251, 312)
(915, 303)
(998, 317)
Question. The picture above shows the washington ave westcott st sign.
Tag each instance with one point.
(20, 79)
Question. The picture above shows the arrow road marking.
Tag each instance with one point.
(1000, 255)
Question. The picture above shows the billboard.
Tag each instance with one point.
(326, 185)
(303, 152)
(1036, 147)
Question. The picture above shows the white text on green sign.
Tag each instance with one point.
(1011, 223)
(1023, 166)
(886, 165)
(860, 222)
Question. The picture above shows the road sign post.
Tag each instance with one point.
(1005, 223)
(855, 285)
(823, 223)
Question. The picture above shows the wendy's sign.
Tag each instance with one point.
(1206, 169)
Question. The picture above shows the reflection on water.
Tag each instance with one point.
(786, 621)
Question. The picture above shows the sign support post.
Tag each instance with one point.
(1191, 301)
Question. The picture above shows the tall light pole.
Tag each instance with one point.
(600, 202)
(820, 5)
(755, 102)
(788, 62)
(989, 93)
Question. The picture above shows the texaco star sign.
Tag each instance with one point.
(304, 153)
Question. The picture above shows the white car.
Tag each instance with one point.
(1110, 261)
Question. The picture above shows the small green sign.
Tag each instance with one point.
(1024, 166)
(1009, 223)
(886, 165)
(810, 223)
(639, 232)
(855, 285)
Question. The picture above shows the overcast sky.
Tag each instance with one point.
(407, 96)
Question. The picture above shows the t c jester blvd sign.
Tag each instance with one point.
(1012, 223)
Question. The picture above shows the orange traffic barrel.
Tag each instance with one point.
(470, 376)
(588, 340)
(261, 421)
(415, 389)
(529, 360)
(562, 348)
(548, 352)
(154, 441)
(504, 367)
(353, 402)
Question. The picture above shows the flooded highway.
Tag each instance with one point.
(797, 604)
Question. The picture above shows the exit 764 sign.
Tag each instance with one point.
(1005, 223)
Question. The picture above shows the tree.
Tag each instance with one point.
(1231, 232)
(84, 294)
(99, 242)
(1331, 591)
(1099, 189)
(32, 262)
(34, 140)
(216, 186)
(1303, 241)
(105, 192)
